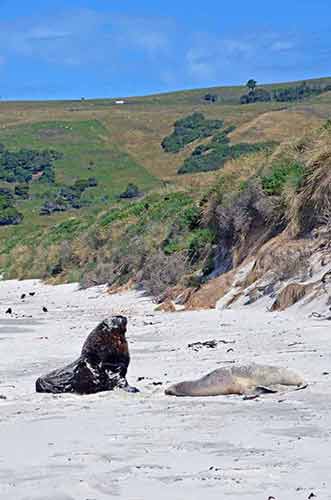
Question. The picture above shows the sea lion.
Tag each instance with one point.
(249, 379)
(102, 365)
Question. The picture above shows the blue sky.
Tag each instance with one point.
(105, 48)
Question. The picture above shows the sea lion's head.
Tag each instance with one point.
(171, 391)
(180, 389)
(117, 323)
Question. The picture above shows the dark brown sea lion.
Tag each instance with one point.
(102, 365)
(249, 379)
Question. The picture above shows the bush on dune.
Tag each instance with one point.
(281, 174)
(161, 272)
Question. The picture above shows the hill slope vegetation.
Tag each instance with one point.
(66, 169)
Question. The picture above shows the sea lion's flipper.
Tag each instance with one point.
(130, 388)
(259, 390)
(273, 389)
(301, 387)
(123, 384)
(262, 389)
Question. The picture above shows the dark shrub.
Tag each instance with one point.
(256, 95)
(9, 216)
(8, 213)
(210, 97)
(21, 166)
(296, 93)
(132, 191)
(22, 191)
(6, 198)
(213, 156)
(189, 129)
(67, 197)
(92, 182)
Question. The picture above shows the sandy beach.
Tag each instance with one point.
(148, 445)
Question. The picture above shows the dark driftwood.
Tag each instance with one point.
(102, 365)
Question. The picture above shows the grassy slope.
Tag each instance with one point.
(123, 141)
(87, 153)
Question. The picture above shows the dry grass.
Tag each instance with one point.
(276, 126)
(314, 199)
(140, 126)
(141, 130)
(283, 257)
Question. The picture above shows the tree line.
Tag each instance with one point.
(282, 94)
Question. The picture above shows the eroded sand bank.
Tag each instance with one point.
(148, 446)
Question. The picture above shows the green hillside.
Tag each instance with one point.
(84, 154)
(98, 147)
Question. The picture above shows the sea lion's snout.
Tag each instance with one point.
(170, 391)
(177, 390)
(119, 322)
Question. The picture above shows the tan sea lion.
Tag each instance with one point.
(244, 380)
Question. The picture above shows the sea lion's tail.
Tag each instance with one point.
(293, 378)
(272, 375)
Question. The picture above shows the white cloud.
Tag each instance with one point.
(200, 63)
(172, 55)
(40, 33)
(212, 59)
(152, 35)
(48, 38)
(280, 45)
(237, 46)
(81, 36)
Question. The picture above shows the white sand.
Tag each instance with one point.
(149, 446)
